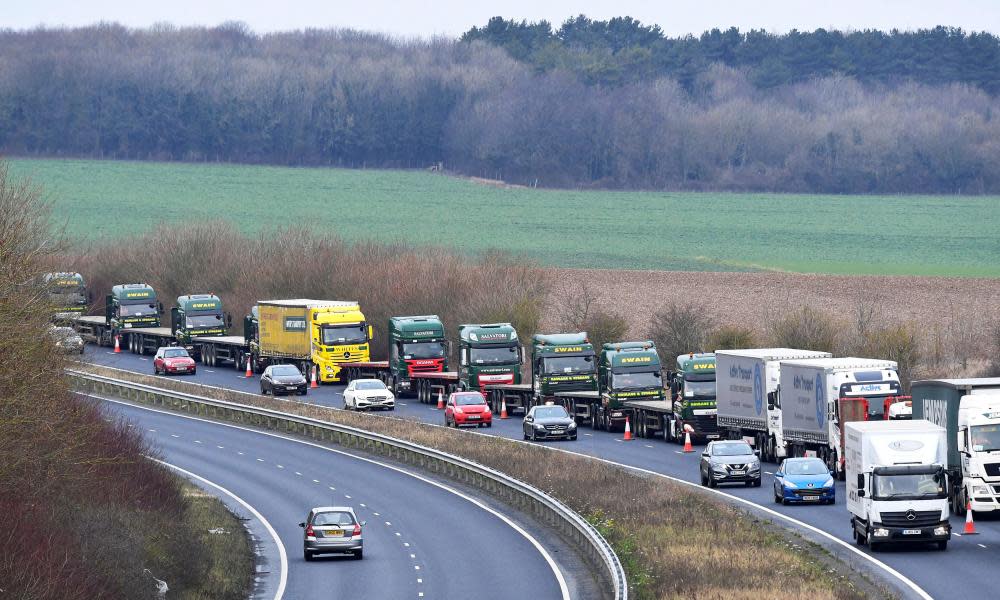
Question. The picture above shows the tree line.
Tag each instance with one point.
(484, 106)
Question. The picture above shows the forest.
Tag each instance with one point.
(592, 104)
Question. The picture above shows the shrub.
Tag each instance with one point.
(731, 337)
(806, 329)
(580, 313)
(678, 328)
(900, 343)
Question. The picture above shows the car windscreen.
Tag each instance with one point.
(369, 385)
(285, 371)
(731, 449)
(551, 412)
(136, 310)
(505, 355)
(635, 380)
(569, 364)
(194, 321)
(806, 467)
(333, 518)
(178, 353)
(344, 334)
(469, 399)
(424, 350)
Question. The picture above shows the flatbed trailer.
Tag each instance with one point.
(93, 328)
(140, 340)
(217, 350)
(518, 396)
(375, 369)
(582, 406)
(649, 417)
(429, 385)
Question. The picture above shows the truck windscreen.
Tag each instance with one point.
(344, 334)
(424, 350)
(629, 380)
(136, 310)
(202, 320)
(985, 438)
(909, 486)
(504, 355)
(569, 364)
(699, 389)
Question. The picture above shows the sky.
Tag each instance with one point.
(452, 17)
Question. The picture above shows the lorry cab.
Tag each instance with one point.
(489, 355)
(897, 484)
(417, 344)
(692, 390)
(562, 362)
(132, 305)
(339, 335)
(67, 293)
(629, 371)
(198, 315)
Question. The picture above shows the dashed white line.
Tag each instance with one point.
(260, 460)
(981, 546)
(197, 441)
(220, 447)
(589, 434)
(376, 514)
(209, 371)
(769, 473)
(388, 524)
(413, 555)
(152, 431)
(281, 466)
(363, 505)
(174, 435)
(416, 567)
(347, 496)
(406, 544)
(240, 453)
(398, 534)
(315, 480)
(299, 474)
(647, 445)
(335, 489)
(419, 580)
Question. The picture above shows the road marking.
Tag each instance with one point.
(221, 447)
(209, 371)
(174, 435)
(197, 441)
(589, 434)
(647, 445)
(678, 452)
(317, 481)
(363, 505)
(335, 489)
(388, 524)
(346, 496)
(281, 466)
(981, 546)
(398, 534)
(563, 587)
(299, 474)
(152, 431)
(414, 555)
(260, 460)
(415, 567)
(419, 580)
(406, 544)
(403, 404)
(282, 555)
(769, 473)
(240, 453)
(958, 534)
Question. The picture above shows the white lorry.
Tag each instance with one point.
(897, 489)
(818, 396)
(969, 409)
(745, 384)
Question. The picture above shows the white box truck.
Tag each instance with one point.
(818, 396)
(969, 409)
(745, 383)
(897, 489)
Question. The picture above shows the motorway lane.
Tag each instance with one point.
(969, 559)
(411, 537)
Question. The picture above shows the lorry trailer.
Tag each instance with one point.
(745, 383)
(817, 397)
(897, 483)
(969, 410)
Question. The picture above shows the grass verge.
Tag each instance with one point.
(674, 542)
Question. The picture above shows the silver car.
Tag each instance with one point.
(368, 394)
(332, 530)
(67, 340)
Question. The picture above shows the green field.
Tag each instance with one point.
(916, 235)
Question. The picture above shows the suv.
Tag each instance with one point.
(730, 461)
(332, 529)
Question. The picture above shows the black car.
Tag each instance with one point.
(548, 422)
(283, 379)
(730, 461)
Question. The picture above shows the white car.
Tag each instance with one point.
(368, 394)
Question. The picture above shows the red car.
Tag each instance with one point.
(172, 360)
(467, 408)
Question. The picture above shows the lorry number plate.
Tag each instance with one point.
(911, 532)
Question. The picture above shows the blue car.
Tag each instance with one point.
(805, 480)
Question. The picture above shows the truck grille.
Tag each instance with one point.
(433, 368)
(992, 469)
(921, 518)
(706, 424)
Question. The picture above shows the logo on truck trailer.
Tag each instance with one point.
(758, 389)
(936, 411)
(820, 402)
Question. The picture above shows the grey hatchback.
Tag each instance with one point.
(332, 530)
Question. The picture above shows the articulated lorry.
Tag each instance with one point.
(896, 482)
(745, 384)
(488, 354)
(193, 316)
(818, 397)
(969, 409)
(417, 344)
(692, 388)
(629, 378)
(128, 306)
(68, 295)
(560, 362)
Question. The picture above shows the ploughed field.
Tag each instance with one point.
(682, 231)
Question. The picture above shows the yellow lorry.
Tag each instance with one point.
(322, 333)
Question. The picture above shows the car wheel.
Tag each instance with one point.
(784, 501)
(747, 483)
(525, 435)
(756, 483)
(712, 482)
(307, 555)
(832, 501)
(263, 392)
(490, 424)
(572, 439)
(777, 498)
(359, 554)
(704, 480)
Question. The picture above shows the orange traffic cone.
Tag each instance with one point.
(503, 409)
(249, 370)
(440, 400)
(628, 431)
(687, 442)
(315, 377)
(117, 347)
(970, 527)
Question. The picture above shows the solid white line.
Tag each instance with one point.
(282, 555)
(563, 588)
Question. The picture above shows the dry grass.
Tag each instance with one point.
(676, 543)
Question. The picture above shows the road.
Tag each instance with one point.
(969, 560)
(422, 539)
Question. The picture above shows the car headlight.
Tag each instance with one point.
(459, 411)
(790, 485)
(539, 426)
(828, 483)
(718, 468)
(572, 425)
(980, 490)
(391, 398)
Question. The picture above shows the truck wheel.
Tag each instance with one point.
(140, 344)
(859, 538)
(873, 545)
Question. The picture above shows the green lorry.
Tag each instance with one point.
(692, 387)
(129, 306)
(560, 362)
(67, 293)
(417, 344)
(628, 376)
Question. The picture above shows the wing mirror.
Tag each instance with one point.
(757, 452)
(779, 475)
(302, 524)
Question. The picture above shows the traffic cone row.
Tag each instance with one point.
(117, 347)
(970, 527)
(440, 400)
(628, 430)
(315, 378)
